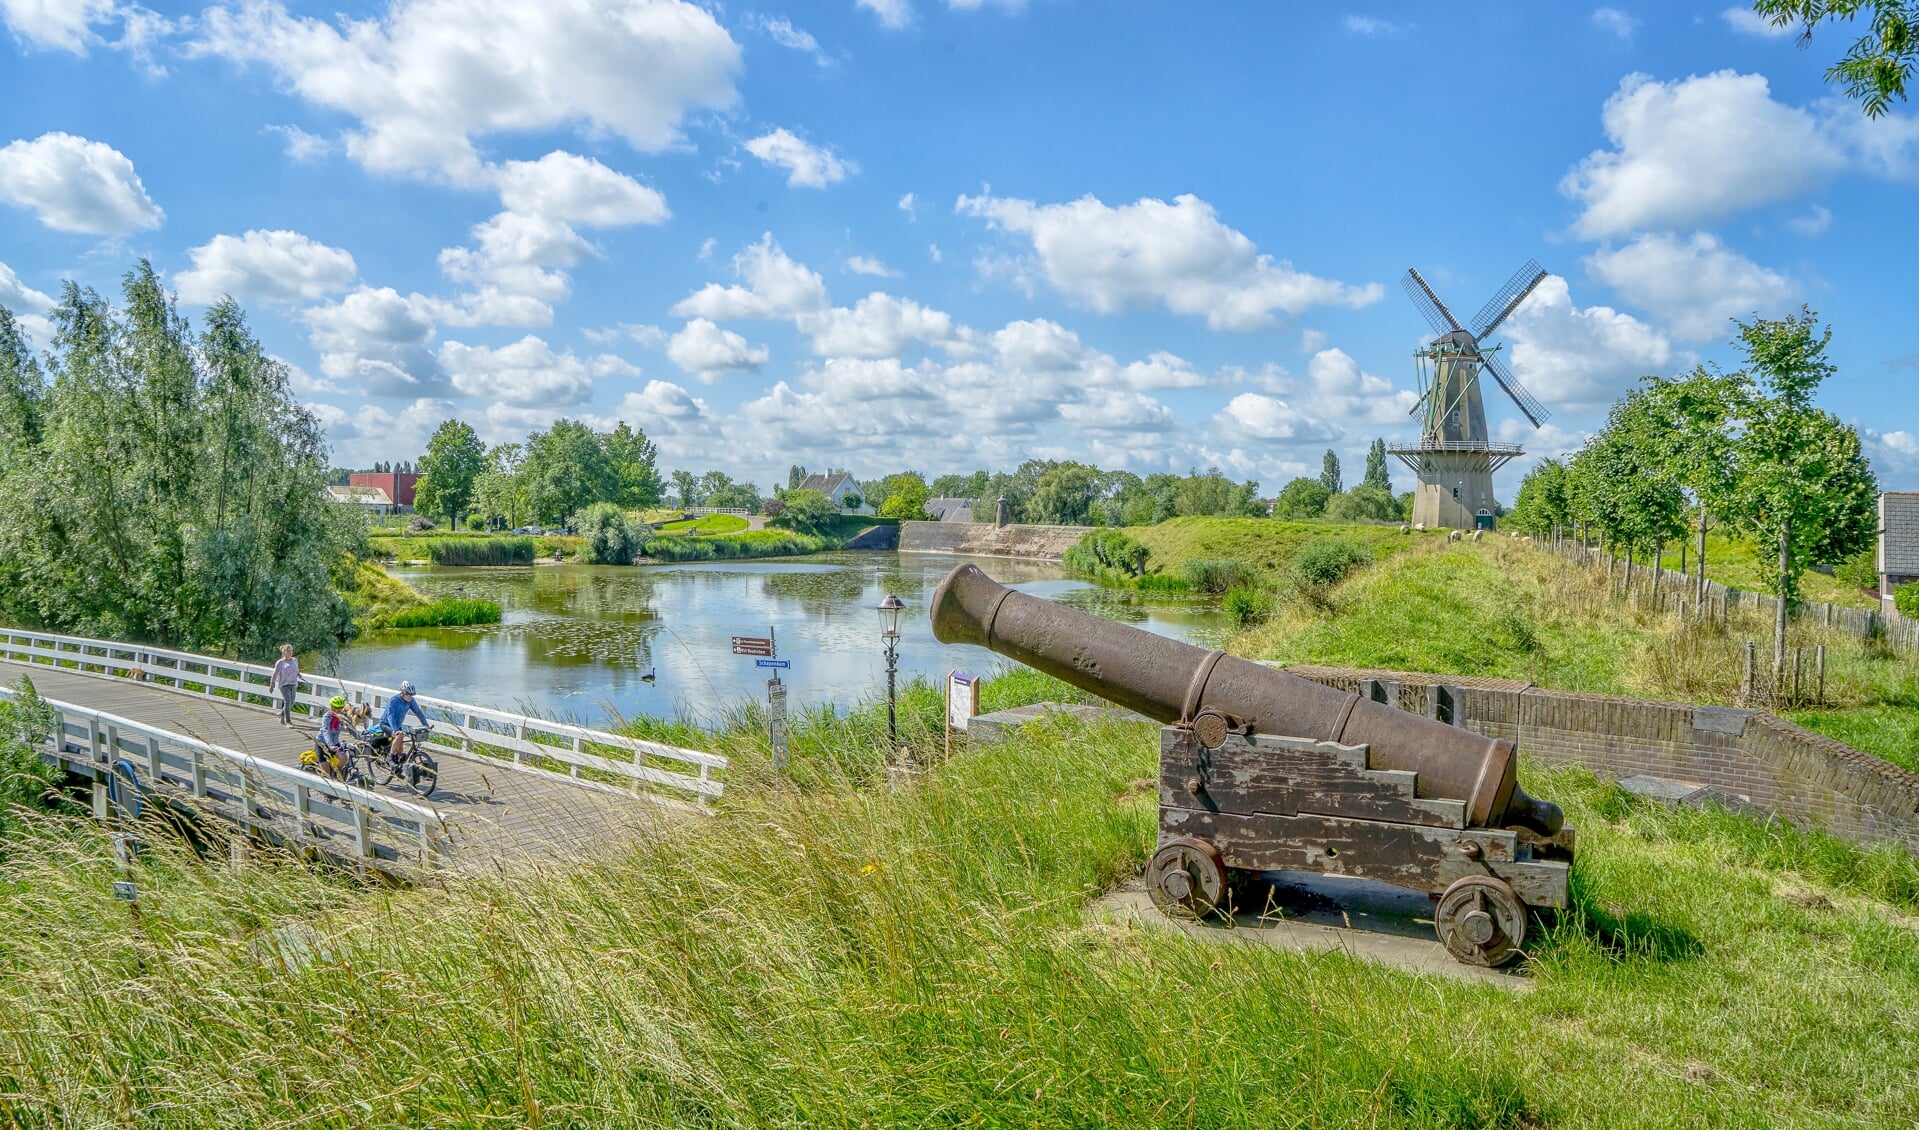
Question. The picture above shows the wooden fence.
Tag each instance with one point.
(578, 755)
(126, 757)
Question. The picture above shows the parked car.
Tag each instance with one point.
(527, 530)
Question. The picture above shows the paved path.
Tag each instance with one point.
(494, 814)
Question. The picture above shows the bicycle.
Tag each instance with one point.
(351, 768)
(404, 760)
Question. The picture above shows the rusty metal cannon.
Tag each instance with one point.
(1262, 771)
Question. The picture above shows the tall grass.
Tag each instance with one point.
(448, 612)
(754, 543)
(480, 551)
(831, 952)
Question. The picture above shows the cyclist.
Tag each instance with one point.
(328, 751)
(393, 718)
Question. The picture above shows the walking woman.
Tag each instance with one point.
(286, 681)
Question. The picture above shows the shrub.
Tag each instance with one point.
(27, 780)
(1859, 572)
(1363, 503)
(807, 511)
(1106, 552)
(1905, 598)
(476, 523)
(1325, 560)
(1302, 498)
(449, 612)
(772, 507)
(726, 547)
(1248, 604)
(480, 551)
(1217, 574)
(610, 537)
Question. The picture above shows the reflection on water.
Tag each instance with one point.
(574, 640)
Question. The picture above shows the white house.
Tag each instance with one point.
(838, 487)
(367, 498)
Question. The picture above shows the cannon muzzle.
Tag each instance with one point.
(1173, 682)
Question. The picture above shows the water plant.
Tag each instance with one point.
(447, 612)
(480, 551)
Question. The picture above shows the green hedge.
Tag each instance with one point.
(755, 543)
(480, 551)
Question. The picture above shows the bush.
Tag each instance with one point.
(27, 780)
(1363, 503)
(1325, 560)
(476, 523)
(1302, 498)
(1859, 572)
(1217, 574)
(808, 512)
(480, 551)
(1248, 604)
(1905, 598)
(609, 535)
(449, 612)
(772, 507)
(1106, 553)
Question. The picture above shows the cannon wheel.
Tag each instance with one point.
(1186, 877)
(1481, 921)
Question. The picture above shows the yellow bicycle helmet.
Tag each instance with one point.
(337, 702)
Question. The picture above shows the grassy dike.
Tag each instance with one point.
(829, 952)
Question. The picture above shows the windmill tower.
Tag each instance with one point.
(1455, 457)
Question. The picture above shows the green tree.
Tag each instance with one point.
(1302, 498)
(1363, 503)
(1694, 424)
(1213, 494)
(1544, 502)
(1064, 495)
(960, 486)
(1378, 474)
(566, 470)
(635, 465)
(795, 475)
(499, 492)
(1876, 69)
(611, 539)
(1804, 486)
(686, 487)
(1623, 480)
(455, 457)
(1329, 473)
(807, 511)
(906, 495)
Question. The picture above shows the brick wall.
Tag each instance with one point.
(1041, 543)
(1782, 768)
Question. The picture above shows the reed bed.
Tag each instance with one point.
(480, 551)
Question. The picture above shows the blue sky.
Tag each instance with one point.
(946, 234)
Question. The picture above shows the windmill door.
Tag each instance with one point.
(1483, 520)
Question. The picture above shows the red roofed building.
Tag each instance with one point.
(397, 485)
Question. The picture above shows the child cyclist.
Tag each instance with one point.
(329, 750)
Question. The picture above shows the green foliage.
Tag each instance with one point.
(27, 780)
(1878, 65)
(1905, 599)
(455, 457)
(1363, 504)
(754, 543)
(479, 551)
(1215, 574)
(1302, 498)
(852, 500)
(1326, 560)
(1378, 474)
(686, 488)
(611, 538)
(633, 463)
(476, 523)
(1860, 571)
(1106, 553)
(1329, 473)
(1246, 605)
(165, 487)
(373, 596)
(448, 612)
(1544, 502)
(904, 497)
(807, 512)
(566, 470)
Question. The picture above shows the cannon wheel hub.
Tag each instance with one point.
(1186, 878)
(1481, 921)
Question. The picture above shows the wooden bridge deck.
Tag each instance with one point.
(493, 813)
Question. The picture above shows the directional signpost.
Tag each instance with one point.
(764, 650)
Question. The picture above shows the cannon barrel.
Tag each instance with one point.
(1173, 682)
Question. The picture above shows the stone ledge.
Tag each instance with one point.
(1004, 725)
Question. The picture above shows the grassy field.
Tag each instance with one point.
(1263, 543)
(1737, 562)
(726, 547)
(830, 952)
(709, 524)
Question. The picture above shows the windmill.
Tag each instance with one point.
(1456, 456)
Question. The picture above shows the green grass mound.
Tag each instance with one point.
(448, 612)
(1265, 544)
(709, 524)
(836, 953)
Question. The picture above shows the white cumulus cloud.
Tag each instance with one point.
(1154, 253)
(579, 190)
(526, 373)
(265, 266)
(892, 13)
(878, 325)
(76, 185)
(865, 265)
(1615, 22)
(1576, 359)
(707, 351)
(776, 287)
(1693, 284)
(1748, 22)
(807, 165)
(378, 340)
(425, 78)
(56, 25)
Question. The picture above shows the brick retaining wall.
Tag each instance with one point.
(983, 539)
(1807, 778)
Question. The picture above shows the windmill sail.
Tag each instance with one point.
(1527, 402)
(1430, 307)
(1501, 305)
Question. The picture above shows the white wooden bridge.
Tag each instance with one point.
(202, 734)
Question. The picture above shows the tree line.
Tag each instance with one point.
(1747, 451)
(161, 485)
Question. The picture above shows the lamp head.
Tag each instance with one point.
(889, 610)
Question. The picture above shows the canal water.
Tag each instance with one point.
(575, 641)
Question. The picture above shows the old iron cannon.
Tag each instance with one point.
(1263, 771)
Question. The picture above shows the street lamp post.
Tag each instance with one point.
(889, 610)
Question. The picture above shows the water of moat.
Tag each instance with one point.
(575, 640)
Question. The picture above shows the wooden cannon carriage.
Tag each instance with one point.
(1262, 771)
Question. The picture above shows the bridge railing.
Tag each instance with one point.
(259, 795)
(584, 756)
